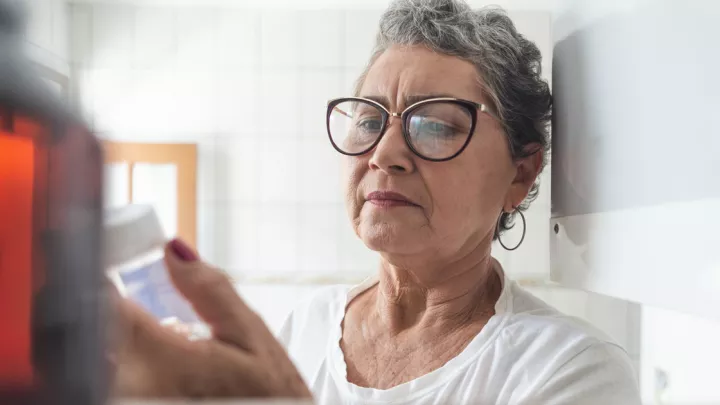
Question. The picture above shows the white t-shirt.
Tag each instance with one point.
(528, 353)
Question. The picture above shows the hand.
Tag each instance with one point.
(242, 359)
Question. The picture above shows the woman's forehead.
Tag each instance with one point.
(403, 75)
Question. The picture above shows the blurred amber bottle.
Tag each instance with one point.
(51, 282)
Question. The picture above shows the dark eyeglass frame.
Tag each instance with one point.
(471, 107)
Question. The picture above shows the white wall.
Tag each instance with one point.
(47, 33)
(683, 348)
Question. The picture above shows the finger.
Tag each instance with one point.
(142, 332)
(131, 376)
(159, 363)
(213, 297)
(149, 358)
(114, 322)
(176, 326)
(222, 371)
(232, 373)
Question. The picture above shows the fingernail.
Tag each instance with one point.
(182, 251)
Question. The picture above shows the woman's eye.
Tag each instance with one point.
(370, 124)
(435, 128)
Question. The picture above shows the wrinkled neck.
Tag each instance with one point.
(446, 295)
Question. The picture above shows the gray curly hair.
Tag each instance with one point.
(509, 64)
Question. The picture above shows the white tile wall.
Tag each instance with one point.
(237, 101)
(197, 38)
(277, 238)
(195, 104)
(317, 86)
(110, 99)
(359, 37)
(279, 103)
(240, 245)
(238, 39)
(321, 37)
(317, 234)
(279, 40)
(278, 160)
(113, 36)
(155, 44)
(60, 33)
(46, 33)
(81, 36)
(235, 243)
(237, 170)
(40, 25)
(319, 179)
(211, 153)
(154, 106)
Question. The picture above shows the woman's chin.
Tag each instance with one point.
(389, 237)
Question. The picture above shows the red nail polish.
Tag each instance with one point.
(182, 251)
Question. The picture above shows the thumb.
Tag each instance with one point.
(211, 294)
(147, 359)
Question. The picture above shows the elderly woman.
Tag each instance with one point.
(444, 140)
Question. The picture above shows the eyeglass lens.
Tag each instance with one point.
(436, 130)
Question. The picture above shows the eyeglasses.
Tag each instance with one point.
(436, 129)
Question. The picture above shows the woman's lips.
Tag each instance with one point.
(388, 199)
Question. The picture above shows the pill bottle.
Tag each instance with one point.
(134, 259)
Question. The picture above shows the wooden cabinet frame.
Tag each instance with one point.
(183, 157)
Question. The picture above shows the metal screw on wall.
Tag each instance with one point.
(661, 385)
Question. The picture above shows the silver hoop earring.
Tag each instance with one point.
(522, 238)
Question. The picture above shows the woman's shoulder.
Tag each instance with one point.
(317, 312)
(310, 327)
(322, 311)
(323, 303)
(560, 350)
(531, 317)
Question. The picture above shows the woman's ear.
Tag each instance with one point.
(527, 170)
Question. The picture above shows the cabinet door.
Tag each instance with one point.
(635, 190)
(163, 175)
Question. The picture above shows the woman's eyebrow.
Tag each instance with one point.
(379, 99)
(410, 100)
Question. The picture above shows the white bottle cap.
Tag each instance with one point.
(130, 232)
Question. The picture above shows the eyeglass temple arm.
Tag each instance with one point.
(341, 112)
(485, 109)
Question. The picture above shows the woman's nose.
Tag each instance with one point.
(392, 154)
